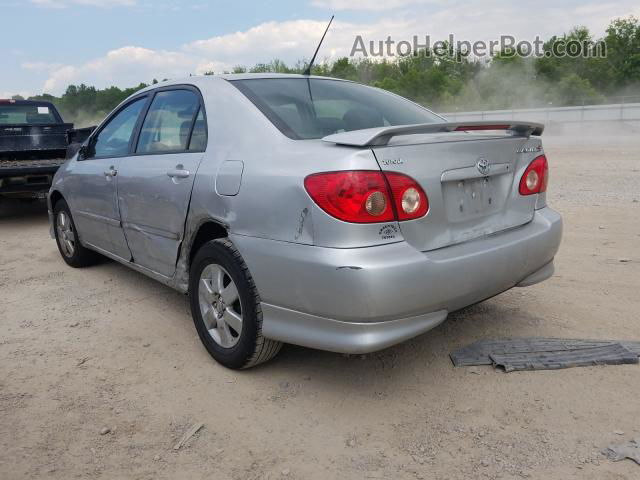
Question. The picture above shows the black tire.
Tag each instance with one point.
(251, 348)
(81, 256)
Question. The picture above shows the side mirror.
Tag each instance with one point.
(77, 142)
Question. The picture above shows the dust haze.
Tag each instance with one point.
(517, 86)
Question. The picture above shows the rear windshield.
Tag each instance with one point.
(13, 114)
(313, 108)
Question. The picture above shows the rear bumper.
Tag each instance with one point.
(365, 299)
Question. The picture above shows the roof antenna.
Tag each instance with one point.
(307, 70)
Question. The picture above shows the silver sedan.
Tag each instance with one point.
(307, 210)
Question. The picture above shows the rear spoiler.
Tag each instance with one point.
(372, 137)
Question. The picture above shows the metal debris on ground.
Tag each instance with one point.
(546, 353)
(629, 450)
(614, 354)
(191, 431)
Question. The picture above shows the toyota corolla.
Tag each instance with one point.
(307, 210)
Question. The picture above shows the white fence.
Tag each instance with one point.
(621, 112)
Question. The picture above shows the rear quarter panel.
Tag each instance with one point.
(271, 202)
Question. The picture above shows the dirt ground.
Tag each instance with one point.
(107, 348)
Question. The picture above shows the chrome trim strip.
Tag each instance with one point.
(468, 173)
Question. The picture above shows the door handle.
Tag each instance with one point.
(112, 172)
(178, 173)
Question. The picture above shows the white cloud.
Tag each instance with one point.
(123, 66)
(288, 41)
(91, 3)
(296, 39)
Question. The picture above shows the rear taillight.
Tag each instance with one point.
(409, 198)
(535, 177)
(363, 196)
(352, 196)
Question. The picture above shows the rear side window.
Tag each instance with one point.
(113, 140)
(305, 108)
(169, 121)
(199, 136)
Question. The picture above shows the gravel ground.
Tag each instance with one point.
(101, 370)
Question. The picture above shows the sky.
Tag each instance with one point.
(49, 44)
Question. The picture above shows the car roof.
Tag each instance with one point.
(206, 79)
(252, 76)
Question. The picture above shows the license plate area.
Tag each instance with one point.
(475, 197)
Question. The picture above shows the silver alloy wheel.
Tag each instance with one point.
(66, 236)
(220, 305)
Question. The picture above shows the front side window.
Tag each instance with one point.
(167, 126)
(113, 139)
(306, 108)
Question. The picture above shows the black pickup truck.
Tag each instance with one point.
(34, 142)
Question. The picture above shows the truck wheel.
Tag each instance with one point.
(225, 307)
(74, 254)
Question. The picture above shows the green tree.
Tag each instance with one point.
(623, 51)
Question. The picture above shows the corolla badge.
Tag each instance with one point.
(392, 161)
(529, 149)
(483, 166)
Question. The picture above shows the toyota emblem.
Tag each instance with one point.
(483, 166)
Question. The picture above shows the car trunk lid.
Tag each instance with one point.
(471, 181)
